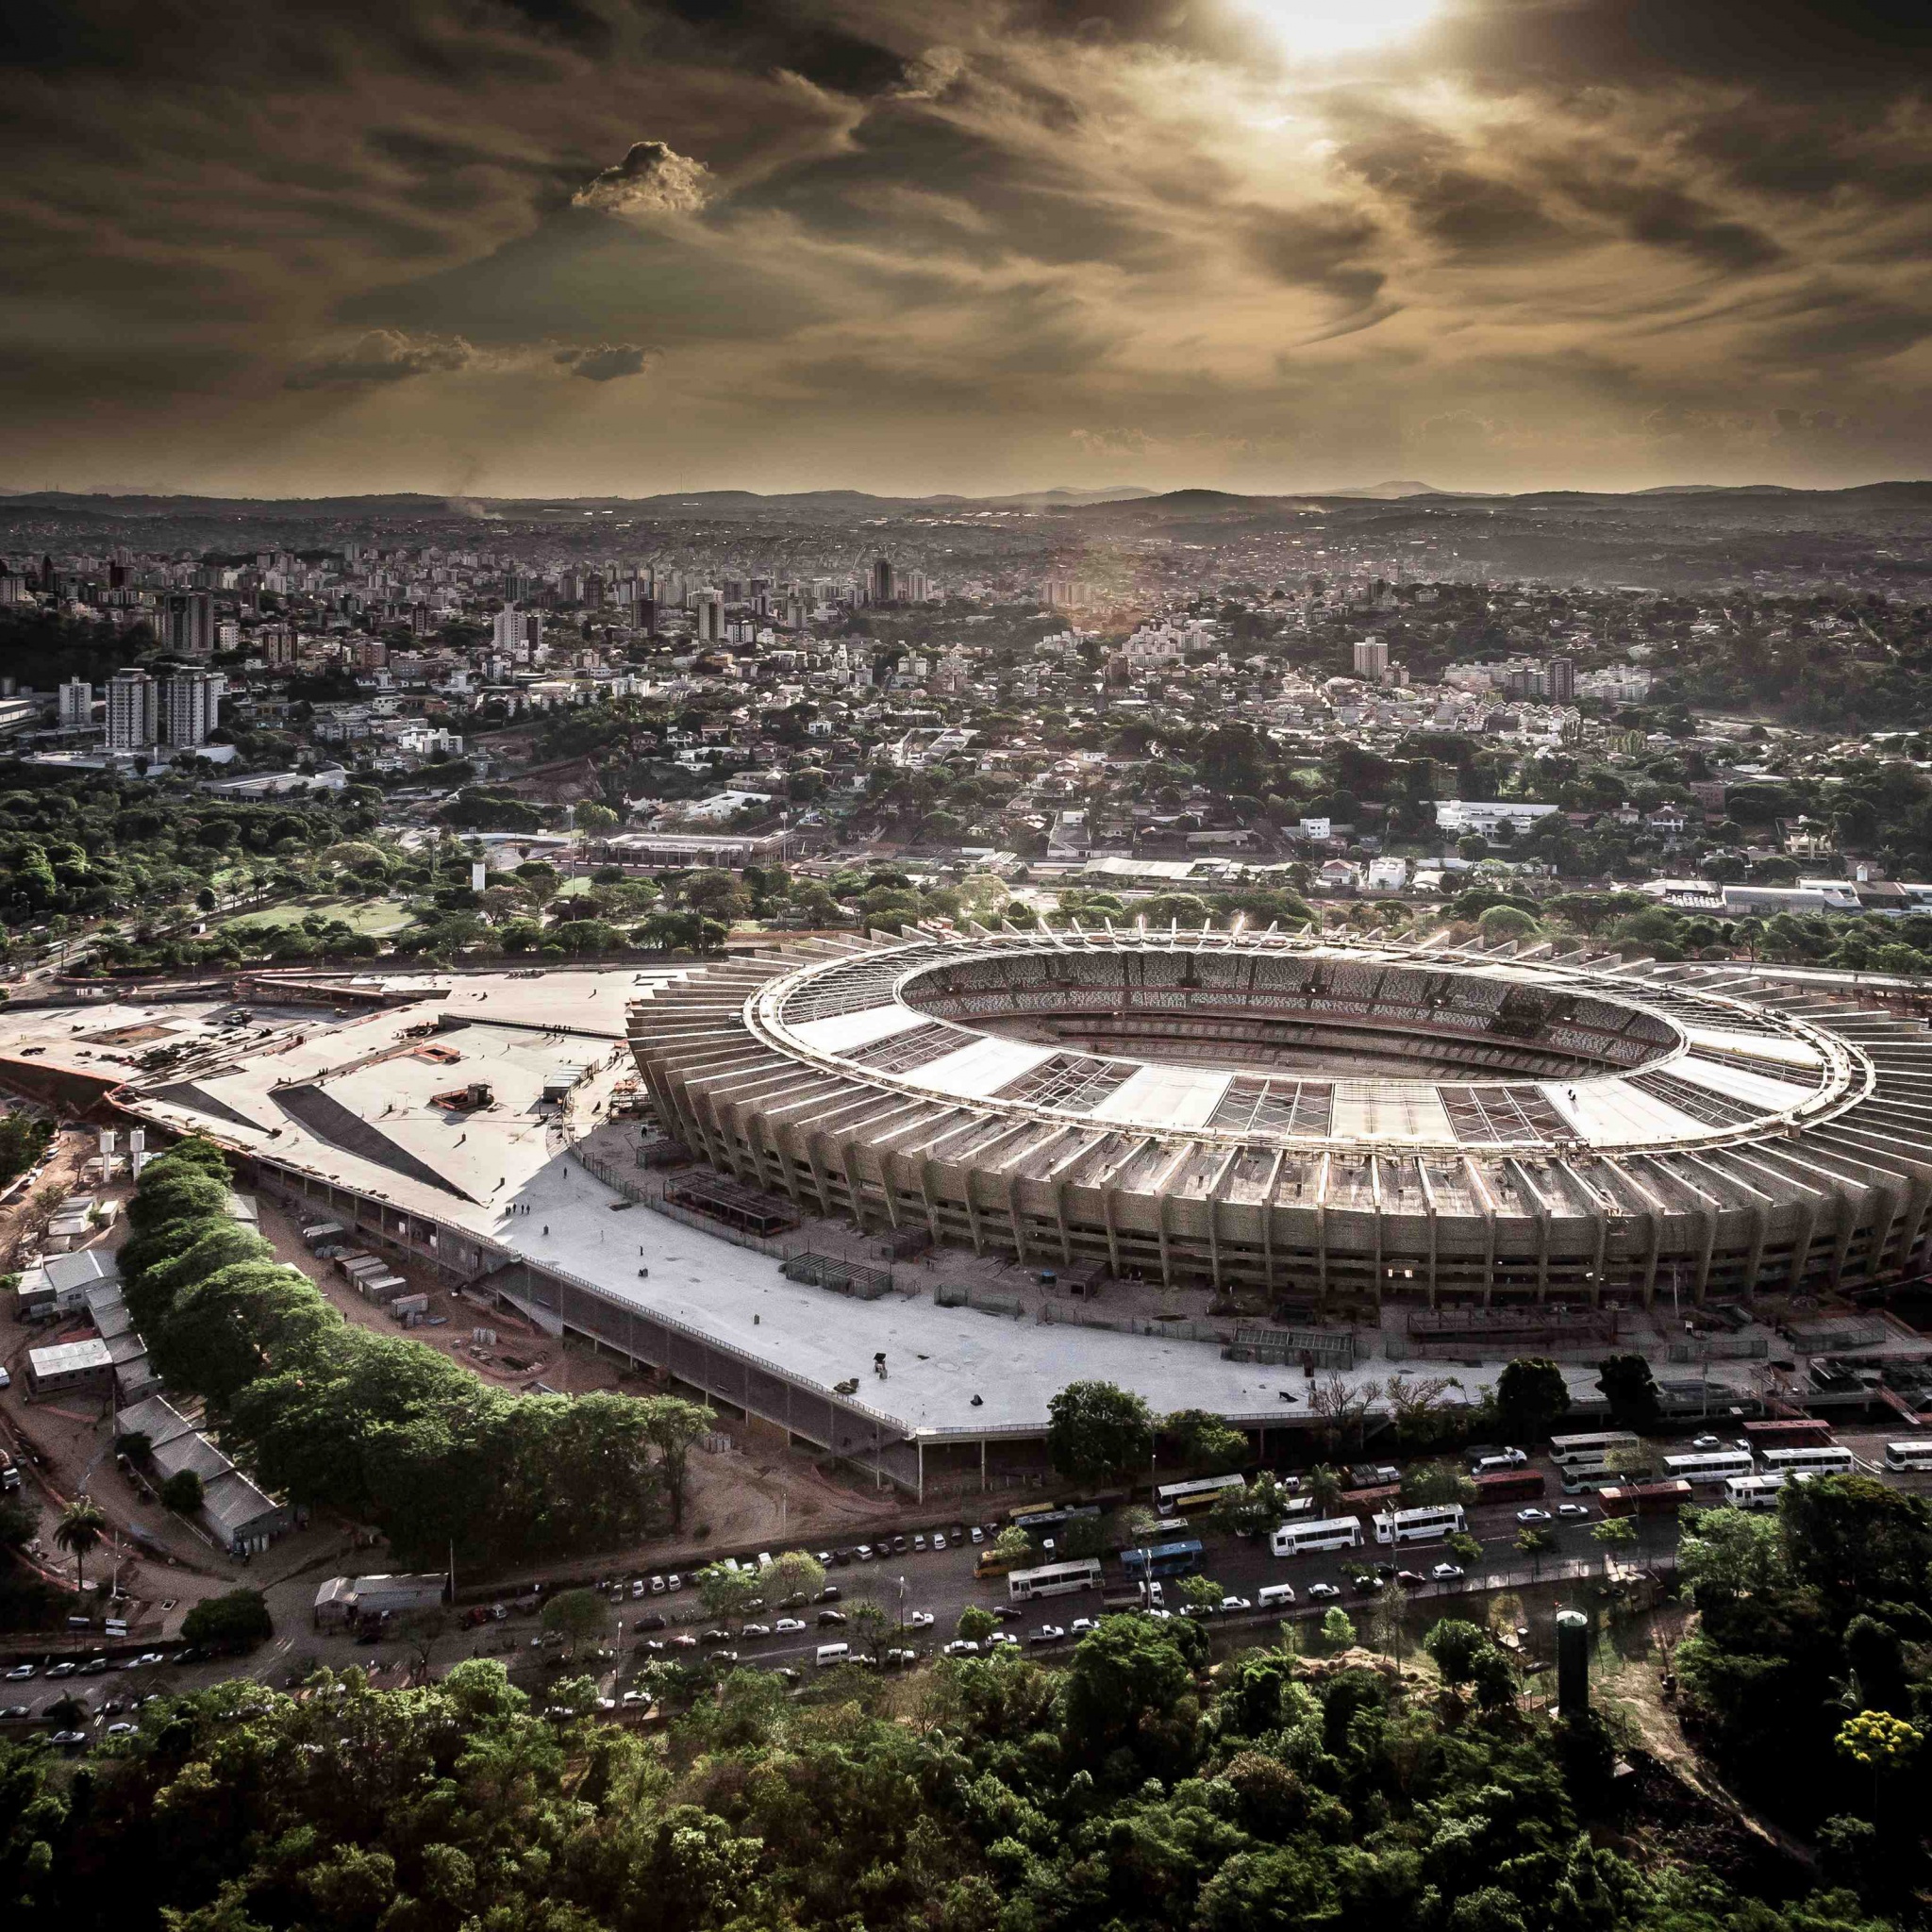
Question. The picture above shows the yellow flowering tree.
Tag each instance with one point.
(1880, 1740)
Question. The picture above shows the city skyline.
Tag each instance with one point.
(579, 248)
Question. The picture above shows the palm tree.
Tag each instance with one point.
(1325, 1488)
(82, 1529)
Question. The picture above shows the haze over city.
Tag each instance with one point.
(588, 247)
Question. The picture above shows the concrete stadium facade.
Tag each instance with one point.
(1335, 1124)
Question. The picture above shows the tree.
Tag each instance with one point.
(82, 1529)
(675, 1426)
(236, 1621)
(1422, 1416)
(1097, 1432)
(1531, 1397)
(1338, 1628)
(1343, 1407)
(1493, 1678)
(1630, 1389)
(1426, 1483)
(976, 1623)
(181, 1493)
(578, 1616)
(1612, 1535)
(1534, 1541)
(1012, 1546)
(1453, 1644)
(869, 1622)
(1856, 1539)
(1464, 1549)
(1125, 1690)
(1325, 1485)
(1201, 1440)
(791, 1574)
(1256, 1507)
(727, 1594)
(1201, 1593)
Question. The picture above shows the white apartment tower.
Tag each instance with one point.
(1371, 657)
(131, 711)
(76, 705)
(190, 707)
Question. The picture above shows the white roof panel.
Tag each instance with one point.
(1754, 1089)
(848, 1032)
(1613, 1113)
(1166, 1096)
(1763, 1046)
(1390, 1110)
(982, 1066)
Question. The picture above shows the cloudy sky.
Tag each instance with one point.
(506, 247)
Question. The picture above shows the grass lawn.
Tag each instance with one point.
(378, 917)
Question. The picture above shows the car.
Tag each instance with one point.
(1048, 1633)
(919, 1620)
(786, 1671)
(1574, 1512)
(788, 1627)
(1006, 1613)
(716, 1637)
(898, 1545)
(841, 1557)
(902, 1656)
(1002, 1640)
(151, 1656)
(657, 1586)
(62, 1670)
(111, 1706)
(754, 1629)
(636, 1700)
(69, 1741)
(684, 1641)
(654, 1621)
(20, 1673)
(1367, 1584)
(653, 1646)
(638, 1588)
(193, 1655)
(961, 1646)
(1706, 1443)
(864, 1552)
(919, 1542)
(1080, 1625)
(796, 1601)
(823, 1557)
(938, 1542)
(93, 1667)
(1534, 1515)
(131, 1663)
(721, 1659)
(1231, 1604)
(1410, 1580)
(1448, 1573)
(673, 1582)
(1322, 1592)
(122, 1729)
(977, 1533)
(830, 1594)
(764, 1559)
(15, 1711)
(830, 1617)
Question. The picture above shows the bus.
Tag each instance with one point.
(1324, 1533)
(1752, 1491)
(1039, 1522)
(1789, 1432)
(1183, 1499)
(1053, 1579)
(1509, 1486)
(1429, 1524)
(987, 1564)
(1836, 1460)
(1162, 1560)
(1711, 1465)
(1908, 1456)
(1581, 1453)
(1644, 1499)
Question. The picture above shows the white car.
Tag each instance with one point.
(939, 1541)
(864, 1552)
(902, 1656)
(123, 1729)
(1048, 1633)
(1324, 1592)
(977, 1533)
(673, 1582)
(1448, 1573)
(636, 1700)
(657, 1586)
(754, 1629)
(6, 1378)
(961, 1646)
(1706, 1443)
(919, 1620)
(1534, 1515)
(1080, 1625)
(1574, 1512)
(788, 1627)
(1002, 1640)
(1230, 1604)
(20, 1673)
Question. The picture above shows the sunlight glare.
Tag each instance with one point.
(1340, 26)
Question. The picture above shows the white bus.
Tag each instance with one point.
(1832, 1462)
(1273, 1596)
(1053, 1579)
(1590, 1451)
(1325, 1533)
(1710, 1466)
(1182, 1499)
(1908, 1456)
(1752, 1491)
(1429, 1524)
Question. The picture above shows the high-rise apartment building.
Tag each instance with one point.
(131, 711)
(76, 705)
(1560, 676)
(188, 706)
(710, 611)
(1371, 657)
(188, 624)
(885, 587)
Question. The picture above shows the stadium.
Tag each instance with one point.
(1332, 1123)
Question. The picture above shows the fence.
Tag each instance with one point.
(1714, 1348)
(843, 1277)
(957, 1298)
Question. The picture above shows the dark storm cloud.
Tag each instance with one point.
(1532, 232)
